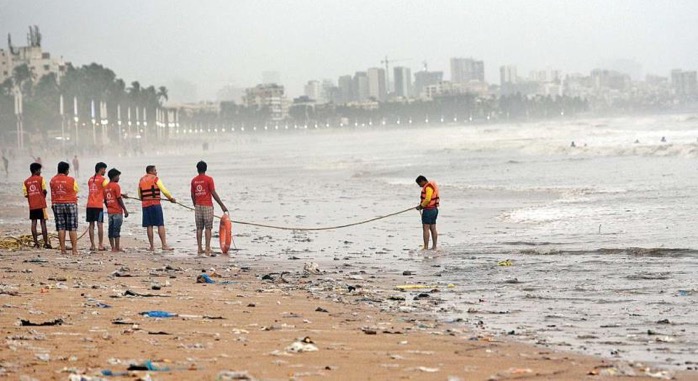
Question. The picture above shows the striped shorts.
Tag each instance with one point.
(203, 216)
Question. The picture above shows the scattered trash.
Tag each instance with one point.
(27, 323)
(428, 370)
(147, 365)
(507, 262)
(663, 321)
(133, 293)
(304, 344)
(369, 331)
(407, 272)
(234, 375)
(204, 278)
(158, 314)
(311, 268)
(320, 309)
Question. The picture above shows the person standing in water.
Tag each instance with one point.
(429, 205)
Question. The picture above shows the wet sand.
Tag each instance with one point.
(248, 324)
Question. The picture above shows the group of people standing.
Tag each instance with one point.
(106, 192)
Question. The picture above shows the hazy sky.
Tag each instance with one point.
(216, 42)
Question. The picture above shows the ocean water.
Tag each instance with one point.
(601, 236)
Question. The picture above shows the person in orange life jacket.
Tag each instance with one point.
(149, 189)
(34, 189)
(64, 199)
(429, 205)
(115, 209)
(95, 205)
(202, 189)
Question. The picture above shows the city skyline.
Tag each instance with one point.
(320, 44)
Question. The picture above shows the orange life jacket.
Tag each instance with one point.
(150, 193)
(63, 190)
(434, 202)
(35, 194)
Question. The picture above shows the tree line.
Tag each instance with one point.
(93, 82)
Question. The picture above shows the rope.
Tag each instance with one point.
(306, 228)
(303, 228)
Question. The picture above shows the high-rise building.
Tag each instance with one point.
(422, 79)
(360, 88)
(312, 90)
(268, 95)
(402, 78)
(507, 74)
(464, 70)
(40, 63)
(376, 84)
(346, 89)
(684, 82)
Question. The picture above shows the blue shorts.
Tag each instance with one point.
(115, 221)
(152, 216)
(429, 216)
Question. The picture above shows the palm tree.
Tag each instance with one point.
(162, 94)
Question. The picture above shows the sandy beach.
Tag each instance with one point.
(81, 318)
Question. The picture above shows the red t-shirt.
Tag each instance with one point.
(202, 187)
(112, 193)
(95, 187)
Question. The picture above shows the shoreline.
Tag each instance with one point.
(243, 323)
(249, 321)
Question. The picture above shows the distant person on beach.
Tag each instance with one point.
(76, 166)
(115, 209)
(64, 197)
(663, 140)
(34, 189)
(95, 205)
(6, 164)
(149, 189)
(429, 205)
(202, 189)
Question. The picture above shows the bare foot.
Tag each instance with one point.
(102, 248)
(167, 248)
(150, 249)
(114, 250)
(209, 253)
(63, 252)
(75, 252)
(93, 248)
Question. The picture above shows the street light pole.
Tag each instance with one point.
(76, 119)
(94, 126)
(62, 126)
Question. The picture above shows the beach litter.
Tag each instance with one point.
(204, 278)
(311, 268)
(158, 314)
(228, 375)
(304, 344)
(505, 263)
(27, 323)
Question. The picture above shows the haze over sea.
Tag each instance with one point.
(601, 235)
